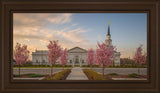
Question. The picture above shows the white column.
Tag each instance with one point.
(73, 62)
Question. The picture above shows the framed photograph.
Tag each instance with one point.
(80, 46)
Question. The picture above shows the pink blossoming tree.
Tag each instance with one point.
(21, 55)
(139, 57)
(104, 55)
(64, 58)
(90, 57)
(55, 52)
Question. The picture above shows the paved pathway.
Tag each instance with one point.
(77, 74)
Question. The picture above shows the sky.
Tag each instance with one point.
(128, 30)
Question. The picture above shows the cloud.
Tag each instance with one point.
(32, 30)
(74, 35)
(26, 23)
(60, 19)
(20, 36)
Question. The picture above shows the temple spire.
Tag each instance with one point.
(108, 28)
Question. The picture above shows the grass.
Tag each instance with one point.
(33, 75)
(30, 75)
(42, 67)
(113, 74)
(15, 75)
(133, 75)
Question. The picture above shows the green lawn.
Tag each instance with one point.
(42, 67)
(31, 75)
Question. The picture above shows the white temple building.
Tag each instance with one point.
(77, 55)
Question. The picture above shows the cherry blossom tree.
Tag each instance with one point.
(21, 55)
(55, 52)
(64, 58)
(139, 57)
(104, 55)
(90, 57)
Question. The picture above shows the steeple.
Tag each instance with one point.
(108, 37)
(108, 28)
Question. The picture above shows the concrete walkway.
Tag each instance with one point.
(77, 74)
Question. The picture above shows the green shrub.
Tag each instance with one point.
(36, 75)
(133, 75)
(33, 75)
(59, 76)
(110, 66)
(117, 66)
(76, 65)
(92, 75)
(113, 74)
(95, 65)
(15, 75)
(69, 65)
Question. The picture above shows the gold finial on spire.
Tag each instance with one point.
(108, 22)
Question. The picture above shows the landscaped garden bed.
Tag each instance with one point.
(62, 75)
(93, 75)
(132, 75)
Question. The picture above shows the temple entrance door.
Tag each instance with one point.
(76, 60)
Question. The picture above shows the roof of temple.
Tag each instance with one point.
(78, 48)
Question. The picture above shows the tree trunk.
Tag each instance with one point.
(103, 71)
(51, 71)
(90, 66)
(138, 69)
(51, 68)
(19, 71)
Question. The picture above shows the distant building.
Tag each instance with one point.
(77, 55)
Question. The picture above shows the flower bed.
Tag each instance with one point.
(92, 75)
(62, 75)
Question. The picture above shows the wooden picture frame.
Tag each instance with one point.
(8, 7)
